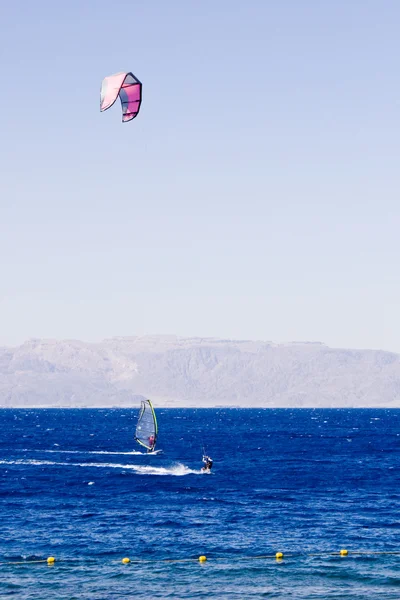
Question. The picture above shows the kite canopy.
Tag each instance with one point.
(128, 88)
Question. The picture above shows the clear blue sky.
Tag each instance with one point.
(255, 196)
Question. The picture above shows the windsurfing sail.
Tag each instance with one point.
(146, 428)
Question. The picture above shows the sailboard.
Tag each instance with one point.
(146, 428)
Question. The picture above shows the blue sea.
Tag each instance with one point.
(74, 485)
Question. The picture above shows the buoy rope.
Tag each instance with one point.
(278, 556)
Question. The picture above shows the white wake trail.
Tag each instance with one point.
(176, 470)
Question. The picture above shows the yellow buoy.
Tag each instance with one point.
(51, 560)
(202, 558)
(279, 555)
(343, 552)
(126, 560)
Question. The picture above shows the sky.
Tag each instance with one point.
(256, 195)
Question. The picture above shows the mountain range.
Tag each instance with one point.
(195, 372)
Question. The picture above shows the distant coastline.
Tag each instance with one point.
(179, 372)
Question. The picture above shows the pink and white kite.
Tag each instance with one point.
(129, 90)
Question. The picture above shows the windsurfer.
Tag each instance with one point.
(146, 428)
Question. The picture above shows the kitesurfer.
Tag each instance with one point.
(208, 463)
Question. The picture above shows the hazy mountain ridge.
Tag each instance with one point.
(195, 372)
